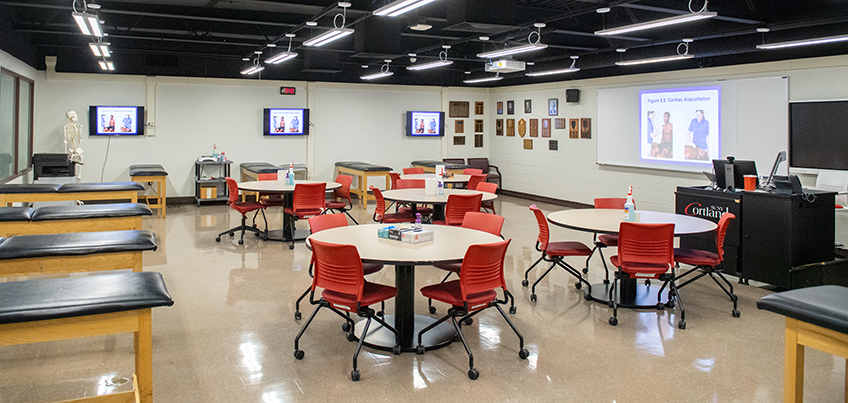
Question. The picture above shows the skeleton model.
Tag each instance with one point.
(73, 137)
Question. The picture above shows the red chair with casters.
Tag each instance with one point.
(307, 201)
(413, 184)
(480, 277)
(338, 203)
(553, 252)
(410, 184)
(338, 271)
(472, 171)
(394, 177)
(413, 171)
(474, 181)
(605, 240)
(488, 187)
(243, 208)
(490, 223)
(646, 251)
(709, 263)
(380, 214)
(457, 206)
(320, 223)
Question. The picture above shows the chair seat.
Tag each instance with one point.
(696, 257)
(272, 202)
(335, 205)
(608, 239)
(372, 293)
(635, 269)
(247, 207)
(425, 211)
(453, 267)
(304, 212)
(397, 217)
(568, 248)
(450, 293)
(371, 268)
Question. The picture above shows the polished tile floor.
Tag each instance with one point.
(229, 337)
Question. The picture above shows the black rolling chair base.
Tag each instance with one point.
(380, 338)
(641, 296)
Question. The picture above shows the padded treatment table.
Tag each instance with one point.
(250, 172)
(362, 171)
(151, 173)
(74, 252)
(42, 310)
(62, 219)
(816, 317)
(430, 166)
(26, 193)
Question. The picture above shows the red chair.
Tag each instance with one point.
(488, 187)
(320, 223)
(338, 271)
(412, 171)
(307, 201)
(480, 277)
(457, 206)
(646, 251)
(337, 203)
(490, 223)
(553, 252)
(243, 208)
(472, 171)
(709, 263)
(605, 240)
(394, 177)
(474, 181)
(380, 214)
(268, 199)
(410, 184)
(405, 207)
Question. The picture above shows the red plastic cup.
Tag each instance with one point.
(750, 182)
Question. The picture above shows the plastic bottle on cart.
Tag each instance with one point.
(629, 207)
(223, 156)
(440, 186)
(417, 221)
(290, 174)
(215, 152)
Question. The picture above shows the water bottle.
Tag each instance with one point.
(440, 186)
(417, 221)
(290, 174)
(629, 207)
(215, 152)
(223, 156)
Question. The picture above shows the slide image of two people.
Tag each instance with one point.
(660, 136)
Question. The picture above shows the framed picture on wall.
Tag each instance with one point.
(559, 123)
(500, 107)
(510, 127)
(510, 107)
(553, 107)
(534, 127)
(478, 108)
(585, 128)
(478, 140)
(478, 125)
(459, 126)
(498, 127)
(546, 127)
(528, 106)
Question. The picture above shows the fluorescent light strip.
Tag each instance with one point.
(104, 49)
(512, 51)
(654, 60)
(254, 69)
(110, 66)
(425, 66)
(281, 57)
(329, 36)
(377, 75)
(95, 48)
(678, 19)
(401, 6)
(102, 65)
(88, 24)
(804, 42)
(549, 72)
(482, 80)
(81, 22)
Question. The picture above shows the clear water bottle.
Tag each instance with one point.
(629, 207)
(440, 187)
(417, 221)
(290, 174)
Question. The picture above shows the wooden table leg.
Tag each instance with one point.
(793, 368)
(143, 343)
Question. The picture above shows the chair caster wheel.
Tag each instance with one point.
(345, 327)
(610, 304)
(354, 375)
(396, 350)
(525, 283)
(232, 234)
(585, 270)
(256, 234)
(351, 337)
(533, 297)
(420, 350)
(241, 241)
(578, 285)
(523, 354)
(660, 306)
(669, 304)
(647, 283)
(291, 247)
(606, 281)
(218, 239)
(512, 310)
(473, 374)
(613, 321)
(587, 296)
(380, 313)
(681, 324)
(735, 313)
(432, 310)
(297, 316)
(468, 321)
(298, 354)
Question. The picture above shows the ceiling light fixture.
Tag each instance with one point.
(253, 69)
(100, 49)
(804, 42)
(88, 24)
(311, 24)
(400, 6)
(519, 49)
(337, 32)
(443, 61)
(283, 56)
(420, 27)
(558, 71)
(106, 65)
(384, 72)
(663, 22)
(678, 56)
(483, 38)
(496, 77)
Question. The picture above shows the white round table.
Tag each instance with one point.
(281, 188)
(607, 221)
(414, 196)
(449, 245)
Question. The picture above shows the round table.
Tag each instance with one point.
(607, 221)
(449, 245)
(414, 196)
(281, 188)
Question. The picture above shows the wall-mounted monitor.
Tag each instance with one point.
(115, 120)
(286, 122)
(425, 123)
(817, 137)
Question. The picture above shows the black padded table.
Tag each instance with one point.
(152, 173)
(430, 166)
(27, 193)
(816, 317)
(73, 218)
(362, 171)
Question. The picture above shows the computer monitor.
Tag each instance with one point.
(781, 156)
(740, 169)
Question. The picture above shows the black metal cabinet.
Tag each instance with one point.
(710, 205)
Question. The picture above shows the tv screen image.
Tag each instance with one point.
(286, 122)
(425, 123)
(817, 137)
(116, 120)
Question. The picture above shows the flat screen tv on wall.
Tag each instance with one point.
(286, 122)
(428, 124)
(109, 120)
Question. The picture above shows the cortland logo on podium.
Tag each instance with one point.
(697, 209)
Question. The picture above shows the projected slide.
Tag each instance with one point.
(680, 125)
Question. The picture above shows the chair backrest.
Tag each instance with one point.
(723, 223)
(380, 207)
(544, 231)
(611, 203)
(410, 184)
(460, 161)
(480, 163)
(458, 205)
(326, 221)
(482, 269)
(267, 177)
(472, 171)
(475, 180)
(488, 187)
(344, 191)
(232, 190)
(490, 223)
(834, 181)
(337, 268)
(394, 176)
(640, 243)
(308, 196)
(412, 171)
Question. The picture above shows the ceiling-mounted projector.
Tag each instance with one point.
(505, 66)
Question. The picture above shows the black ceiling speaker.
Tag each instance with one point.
(572, 96)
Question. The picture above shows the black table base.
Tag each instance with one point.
(380, 338)
(278, 235)
(631, 294)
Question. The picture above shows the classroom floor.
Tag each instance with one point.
(229, 336)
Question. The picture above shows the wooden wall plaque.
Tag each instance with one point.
(478, 140)
(458, 109)
(534, 127)
(586, 128)
(546, 127)
(499, 127)
(574, 128)
(478, 125)
(459, 140)
(478, 108)
(510, 127)
(528, 144)
(459, 126)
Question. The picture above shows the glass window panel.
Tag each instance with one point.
(7, 124)
(24, 122)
